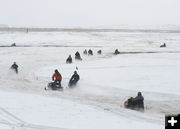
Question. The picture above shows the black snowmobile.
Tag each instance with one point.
(72, 83)
(69, 60)
(54, 86)
(99, 52)
(135, 103)
(90, 52)
(116, 52)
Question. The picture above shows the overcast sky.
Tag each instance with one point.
(57, 13)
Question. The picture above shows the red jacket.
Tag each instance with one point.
(59, 78)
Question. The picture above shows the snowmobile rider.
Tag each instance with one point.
(139, 101)
(99, 52)
(69, 60)
(13, 45)
(77, 56)
(15, 67)
(57, 78)
(116, 52)
(164, 45)
(85, 52)
(90, 52)
(74, 79)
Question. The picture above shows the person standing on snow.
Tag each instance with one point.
(15, 67)
(57, 78)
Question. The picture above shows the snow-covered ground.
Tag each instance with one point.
(106, 80)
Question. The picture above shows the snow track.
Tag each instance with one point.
(14, 122)
(106, 80)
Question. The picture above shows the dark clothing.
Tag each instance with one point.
(116, 52)
(130, 103)
(135, 103)
(164, 45)
(15, 67)
(13, 45)
(139, 101)
(99, 52)
(90, 52)
(54, 85)
(77, 56)
(85, 52)
(69, 60)
(74, 79)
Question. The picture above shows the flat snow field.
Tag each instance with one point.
(106, 80)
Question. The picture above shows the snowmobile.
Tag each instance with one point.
(72, 83)
(164, 45)
(74, 79)
(116, 52)
(68, 61)
(78, 58)
(13, 45)
(99, 52)
(90, 52)
(131, 104)
(53, 86)
(85, 52)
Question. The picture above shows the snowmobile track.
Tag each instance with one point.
(7, 118)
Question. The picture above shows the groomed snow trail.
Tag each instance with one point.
(106, 80)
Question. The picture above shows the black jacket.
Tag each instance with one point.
(69, 59)
(139, 101)
(14, 66)
(75, 77)
(77, 54)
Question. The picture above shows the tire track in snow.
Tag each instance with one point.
(14, 122)
(113, 103)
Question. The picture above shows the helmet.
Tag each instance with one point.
(55, 70)
(139, 93)
(75, 72)
(14, 62)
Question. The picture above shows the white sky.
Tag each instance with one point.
(57, 13)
